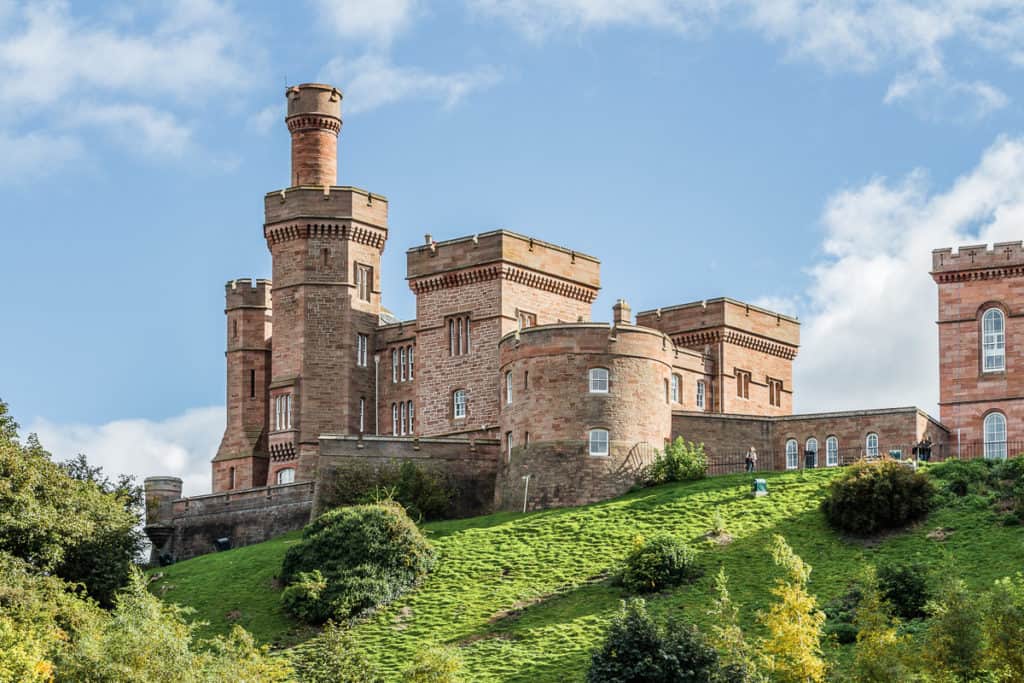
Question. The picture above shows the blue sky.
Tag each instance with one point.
(802, 155)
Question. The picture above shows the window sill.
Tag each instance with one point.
(599, 455)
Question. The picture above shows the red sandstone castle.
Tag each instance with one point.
(505, 384)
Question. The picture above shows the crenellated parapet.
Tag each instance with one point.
(247, 293)
(978, 262)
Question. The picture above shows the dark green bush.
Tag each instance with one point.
(873, 497)
(961, 477)
(905, 586)
(680, 461)
(635, 649)
(425, 493)
(661, 562)
(365, 555)
(333, 657)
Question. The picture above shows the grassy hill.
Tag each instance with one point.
(526, 597)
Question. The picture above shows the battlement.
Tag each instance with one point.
(302, 204)
(976, 257)
(503, 246)
(703, 316)
(246, 293)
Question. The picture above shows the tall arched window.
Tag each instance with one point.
(831, 451)
(871, 446)
(598, 380)
(811, 447)
(394, 419)
(993, 340)
(362, 414)
(402, 407)
(286, 476)
(677, 383)
(411, 361)
(402, 362)
(459, 404)
(792, 457)
(995, 436)
(508, 388)
(394, 365)
(412, 423)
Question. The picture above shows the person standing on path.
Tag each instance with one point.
(751, 459)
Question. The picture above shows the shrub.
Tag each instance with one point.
(872, 497)
(881, 648)
(961, 477)
(353, 559)
(436, 664)
(333, 657)
(426, 494)
(1003, 625)
(954, 641)
(662, 562)
(680, 461)
(637, 649)
(904, 585)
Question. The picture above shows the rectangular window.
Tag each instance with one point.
(525, 319)
(742, 384)
(775, 392)
(458, 335)
(508, 388)
(252, 384)
(283, 412)
(394, 419)
(526, 439)
(364, 281)
(459, 404)
(402, 364)
(362, 415)
(598, 380)
(412, 423)
(403, 419)
(700, 393)
(526, 379)
(599, 442)
(362, 342)
(677, 382)
(411, 352)
(394, 365)
(508, 446)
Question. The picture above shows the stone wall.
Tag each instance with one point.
(468, 464)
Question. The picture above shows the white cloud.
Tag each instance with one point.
(908, 37)
(180, 446)
(138, 127)
(379, 21)
(871, 303)
(31, 155)
(265, 119)
(372, 81)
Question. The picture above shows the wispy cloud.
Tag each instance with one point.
(180, 446)
(378, 22)
(372, 81)
(871, 303)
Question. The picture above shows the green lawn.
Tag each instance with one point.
(526, 596)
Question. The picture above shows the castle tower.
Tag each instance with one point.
(326, 243)
(243, 456)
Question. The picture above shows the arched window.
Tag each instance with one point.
(402, 410)
(231, 477)
(412, 427)
(508, 388)
(599, 380)
(362, 414)
(394, 419)
(599, 442)
(401, 363)
(459, 404)
(811, 447)
(792, 456)
(995, 436)
(411, 363)
(286, 476)
(993, 340)
(394, 365)
(871, 446)
(677, 383)
(831, 451)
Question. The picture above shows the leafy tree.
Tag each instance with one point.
(872, 497)
(738, 659)
(62, 525)
(1003, 627)
(661, 562)
(637, 650)
(791, 652)
(435, 664)
(333, 657)
(680, 461)
(905, 586)
(8, 427)
(881, 648)
(955, 642)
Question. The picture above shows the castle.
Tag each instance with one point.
(505, 385)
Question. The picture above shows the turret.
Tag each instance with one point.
(314, 120)
(160, 493)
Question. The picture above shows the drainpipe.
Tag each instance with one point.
(376, 402)
(526, 491)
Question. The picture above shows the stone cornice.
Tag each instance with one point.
(991, 273)
(505, 271)
(729, 336)
(295, 230)
(282, 452)
(313, 122)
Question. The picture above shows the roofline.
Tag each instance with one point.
(719, 299)
(510, 233)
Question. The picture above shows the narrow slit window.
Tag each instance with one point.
(252, 384)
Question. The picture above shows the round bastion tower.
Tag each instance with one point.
(160, 493)
(583, 411)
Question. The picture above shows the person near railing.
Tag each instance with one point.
(751, 459)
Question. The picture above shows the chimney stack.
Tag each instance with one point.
(314, 120)
(621, 313)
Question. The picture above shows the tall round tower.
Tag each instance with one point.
(314, 120)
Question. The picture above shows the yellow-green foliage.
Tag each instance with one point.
(955, 643)
(792, 649)
(1004, 628)
(881, 648)
(435, 664)
(726, 634)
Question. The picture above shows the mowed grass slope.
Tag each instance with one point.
(527, 597)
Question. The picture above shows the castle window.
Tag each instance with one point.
(234, 329)
(411, 350)
(458, 335)
(402, 410)
(526, 380)
(831, 451)
(402, 363)
(394, 365)
(526, 439)
(508, 446)
(811, 451)
(742, 384)
(394, 419)
(508, 388)
(598, 380)
(775, 392)
(362, 414)
(283, 412)
(412, 427)
(700, 393)
(667, 397)
(459, 404)
(231, 477)
(677, 383)
(252, 384)
(286, 476)
(364, 281)
(524, 319)
(599, 442)
(871, 446)
(362, 341)
(993, 341)
(995, 436)
(324, 254)
(792, 457)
